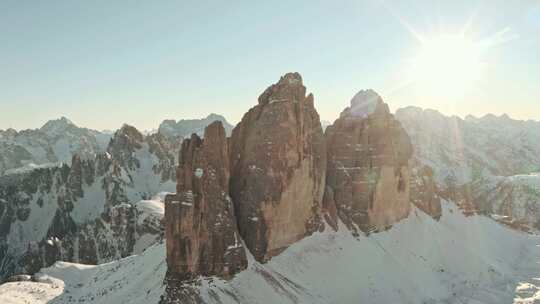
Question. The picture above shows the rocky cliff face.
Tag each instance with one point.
(202, 236)
(278, 168)
(87, 212)
(368, 165)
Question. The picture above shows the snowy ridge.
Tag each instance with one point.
(456, 260)
(58, 140)
(54, 143)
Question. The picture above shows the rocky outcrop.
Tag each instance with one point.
(424, 192)
(278, 168)
(200, 225)
(368, 165)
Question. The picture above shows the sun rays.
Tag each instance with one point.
(447, 63)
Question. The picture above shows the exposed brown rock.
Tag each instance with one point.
(278, 164)
(368, 170)
(329, 208)
(200, 227)
(424, 192)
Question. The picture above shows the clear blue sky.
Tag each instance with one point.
(104, 63)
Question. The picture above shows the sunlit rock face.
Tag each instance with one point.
(278, 163)
(368, 165)
(200, 226)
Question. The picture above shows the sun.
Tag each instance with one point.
(446, 64)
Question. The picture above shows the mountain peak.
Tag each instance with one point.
(65, 120)
(214, 116)
(60, 122)
(288, 88)
(10, 132)
(364, 103)
(365, 96)
(57, 126)
(124, 142)
(471, 117)
(129, 131)
(291, 78)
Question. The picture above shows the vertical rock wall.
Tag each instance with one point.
(368, 170)
(201, 232)
(278, 168)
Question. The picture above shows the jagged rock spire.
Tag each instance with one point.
(200, 226)
(278, 164)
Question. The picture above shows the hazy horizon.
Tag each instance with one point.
(104, 64)
(330, 121)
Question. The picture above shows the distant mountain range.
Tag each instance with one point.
(489, 165)
(58, 140)
(55, 142)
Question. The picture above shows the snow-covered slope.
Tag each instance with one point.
(455, 260)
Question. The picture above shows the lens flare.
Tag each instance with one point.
(447, 63)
